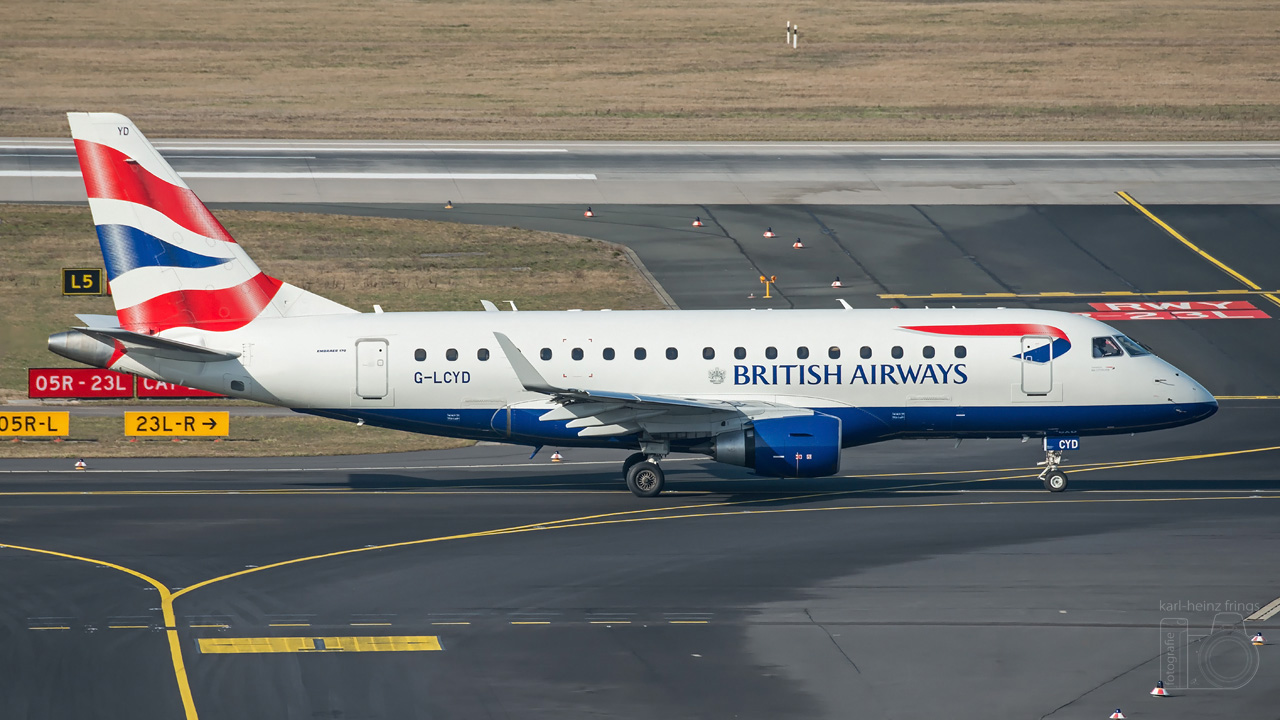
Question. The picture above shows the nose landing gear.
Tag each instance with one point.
(1054, 479)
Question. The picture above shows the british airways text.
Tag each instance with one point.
(875, 374)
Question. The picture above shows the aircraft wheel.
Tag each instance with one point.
(1055, 481)
(644, 479)
(631, 460)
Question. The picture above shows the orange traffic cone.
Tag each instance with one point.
(1258, 639)
(697, 222)
(556, 456)
(588, 213)
(797, 244)
(1117, 715)
(837, 283)
(448, 204)
(769, 233)
(1159, 690)
(80, 465)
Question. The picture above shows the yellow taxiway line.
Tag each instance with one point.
(1270, 295)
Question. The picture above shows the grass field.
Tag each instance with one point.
(355, 261)
(680, 69)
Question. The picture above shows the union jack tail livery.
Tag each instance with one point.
(170, 263)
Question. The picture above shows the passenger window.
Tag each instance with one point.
(802, 352)
(419, 354)
(576, 354)
(640, 353)
(451, 354)
(896, 352)
(482, 354)
(671, 353)
(740, 353)
(1131, 346)
(771, 353)
(608, 353)
(708, 353)
(865, 352)
(1106, 347)
(961, 351)
(928, 352)
(833, 352)
(545, 354)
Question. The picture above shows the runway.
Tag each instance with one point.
(305, 171)
(927, 580)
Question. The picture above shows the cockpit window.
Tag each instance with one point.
(1131, 346)
(1106, 347)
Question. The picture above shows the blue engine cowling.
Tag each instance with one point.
(806, 446)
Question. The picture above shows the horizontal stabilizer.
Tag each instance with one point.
(139, 344)
(100, 321)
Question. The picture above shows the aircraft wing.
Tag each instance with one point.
(604, 413)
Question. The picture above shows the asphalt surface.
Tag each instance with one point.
(44, 170)
(929, 580)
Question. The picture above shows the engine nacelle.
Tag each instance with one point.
(805, 446)
(81, 348)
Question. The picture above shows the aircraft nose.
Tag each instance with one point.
(1196, 395)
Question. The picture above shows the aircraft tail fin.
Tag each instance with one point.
(170, 263)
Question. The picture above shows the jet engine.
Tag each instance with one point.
(801, 446)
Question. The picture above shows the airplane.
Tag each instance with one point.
(779, 392)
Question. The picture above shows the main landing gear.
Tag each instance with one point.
(644, 476)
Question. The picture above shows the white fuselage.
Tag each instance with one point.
(913, 383)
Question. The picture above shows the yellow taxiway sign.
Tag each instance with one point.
(177, 424)
(35, 424)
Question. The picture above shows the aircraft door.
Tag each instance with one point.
(371, 368)
(1037, 365)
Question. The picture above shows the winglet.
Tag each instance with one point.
(525, 372)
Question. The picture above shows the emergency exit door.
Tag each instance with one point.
(371, 368)
(1037, 365)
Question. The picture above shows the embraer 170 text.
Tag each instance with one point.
(778, 392)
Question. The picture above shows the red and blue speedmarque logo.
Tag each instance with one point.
(1057, 346)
